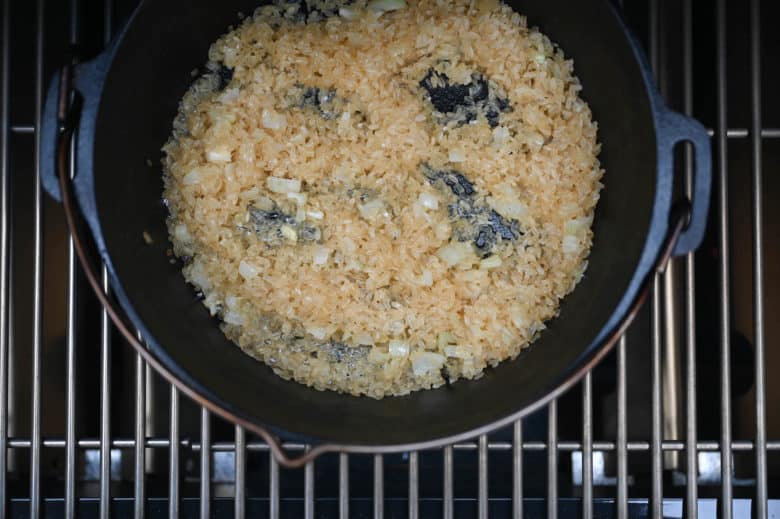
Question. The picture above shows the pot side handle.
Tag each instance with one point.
(674, 128)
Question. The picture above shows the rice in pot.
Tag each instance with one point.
(384, 197)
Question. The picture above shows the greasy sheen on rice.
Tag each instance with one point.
(384, 197)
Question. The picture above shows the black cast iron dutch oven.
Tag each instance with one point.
(120, 107)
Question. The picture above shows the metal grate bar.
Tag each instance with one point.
(655, 370)
(482, 477)
(758, 259)
(725, 299)
(105, 351)
(273, 487)
(343, 486)
(562, 446)
(587, 447)
(205, 464)
(379, 486)
(622, 454)
(517, 469)
(448, 492)
(308, 491)
(173, 456)
(140, 434)
(240, 476)
(691, 468)
(71, 374)
(35, 454)
(552, 460)
(71, 364)
(5, 253)
(414, 486)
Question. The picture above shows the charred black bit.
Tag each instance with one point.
(340, 352)
(472, 218)
(458, 184)
(225, 76)
(267, 225)
(445, 374)
(303, 11)
(323, 100)
(463, 102)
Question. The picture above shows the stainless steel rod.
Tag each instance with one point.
(563, 446)
(273, 487)
(35, 454)
(308, 491)
(71, 375)
(139, 480)
(691, 454)
(725, 295)
(552, 460)
(587, 447)
(205, 464)
(758, 259)
(448, 492)
(414, 486)
(482, 477)
(621, 438)
(343, 486)
(5, 253)
(173, 455)
(517, 469)
(656, 402)
(379, 487)
(239, 510)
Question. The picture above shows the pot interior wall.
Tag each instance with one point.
(166, 41)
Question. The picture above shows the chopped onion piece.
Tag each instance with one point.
(321, 255)
(426, 278)
(500, 135)
(364, 339)
(456, 253)
(193, 177)
(219, 154)
(456, 156)
(490, 262)
(289, 233)
(283, 185)
(315, 215)
(273, 120)
(518, 318)
(429, 201)
(247, 270)
(232, 317)
(444, 339)
(348, 13)
(383, 6)
(425, 362)
(398, 348)
(575, 226)
(300, 198)
(570, 244)
(372, 209)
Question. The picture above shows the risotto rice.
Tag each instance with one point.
(378, 198)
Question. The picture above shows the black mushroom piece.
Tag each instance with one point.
(224, 76)
(340, 352)
(322, 100)
(464, 102)
(270, 226)
(302, 11)
(473, 219)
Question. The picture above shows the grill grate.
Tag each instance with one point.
(86, 428)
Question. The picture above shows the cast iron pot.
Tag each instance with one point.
(123, 104)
